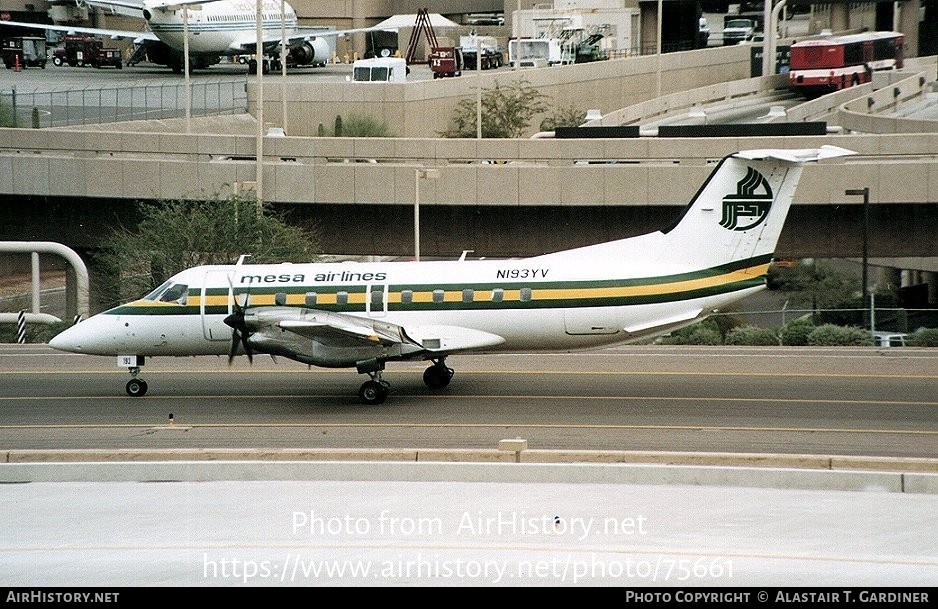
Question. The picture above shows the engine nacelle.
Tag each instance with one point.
(312, 51)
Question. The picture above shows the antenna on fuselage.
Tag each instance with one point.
(241, 259)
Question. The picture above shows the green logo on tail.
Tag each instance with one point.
(750, 205)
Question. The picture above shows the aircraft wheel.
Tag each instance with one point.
(437, 376)
(136, 388)
(373, 392)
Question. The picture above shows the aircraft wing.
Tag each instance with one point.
(123, 7)
(337, 330)
(69, 29)
(248, 44)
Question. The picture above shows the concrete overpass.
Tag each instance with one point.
(496, 197)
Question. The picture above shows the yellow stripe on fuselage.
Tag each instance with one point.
(485, 295)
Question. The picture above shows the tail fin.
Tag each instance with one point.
(739, 212)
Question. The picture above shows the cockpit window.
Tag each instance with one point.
(169, 292)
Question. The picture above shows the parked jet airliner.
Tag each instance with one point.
(364, 315)
(217, 28)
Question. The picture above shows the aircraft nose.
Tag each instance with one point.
(66, 341)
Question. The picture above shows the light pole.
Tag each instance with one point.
(429, 174)
(865, 193)
(259, 73)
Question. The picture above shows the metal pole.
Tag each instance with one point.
(185, 67)
(658, 44)
(766, 37)
(429, 174)
(417, 215)
(283, 64)
(478, 87)
(259, 62)
(865, 193)
(35, 273)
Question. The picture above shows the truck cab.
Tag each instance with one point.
(446, 62)
(738, 29)
(380, 69)
(80, 51)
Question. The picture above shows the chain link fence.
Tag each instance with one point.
(117, 104)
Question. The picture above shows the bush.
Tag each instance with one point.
(829, 335)
(7, 116)
(753, 336)
(795, 333)
(35, 333)
(365, 126)
(704, 333)
(506, 112)
(923, 337)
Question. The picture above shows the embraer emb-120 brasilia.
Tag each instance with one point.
(364, 315)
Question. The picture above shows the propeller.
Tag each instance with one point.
(239, 330)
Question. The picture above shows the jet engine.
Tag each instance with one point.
(314, 51)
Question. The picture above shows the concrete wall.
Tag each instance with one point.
(900, 168)
(425, 108)
(881, 111)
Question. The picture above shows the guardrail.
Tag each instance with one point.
(79, 298)
(106, 105)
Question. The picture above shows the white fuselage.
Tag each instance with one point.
(221, 27)
(535, 304)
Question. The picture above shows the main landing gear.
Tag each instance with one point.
(376, 390)
(438, 375)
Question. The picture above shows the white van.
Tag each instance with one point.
(380, 69)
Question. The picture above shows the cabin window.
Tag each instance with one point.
(341, 298)
(280, 299)
(498, 295)
(377, 298)
(311, 299)
(437, 296)
(525, 294)
(407, 296)
(468, 295)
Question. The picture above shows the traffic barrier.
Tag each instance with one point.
(21, 327)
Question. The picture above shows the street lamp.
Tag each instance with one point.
(865, 193)
(428, 174)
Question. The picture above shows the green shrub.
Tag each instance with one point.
(43, 333)
(924, 337)
(703, 333)
(365, 126)
(753, 336)
(795, 333)
(830, 335)
(35, 333)
(7, 116)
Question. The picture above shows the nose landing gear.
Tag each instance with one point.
(135, 387)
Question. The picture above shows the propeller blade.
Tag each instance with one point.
(239, 331)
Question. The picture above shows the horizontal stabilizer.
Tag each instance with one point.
(803, 155)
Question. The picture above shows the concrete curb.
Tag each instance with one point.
(481, 455)
(799, 472)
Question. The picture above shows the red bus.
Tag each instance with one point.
(834, 63)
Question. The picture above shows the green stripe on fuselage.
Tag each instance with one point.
(543, 294)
